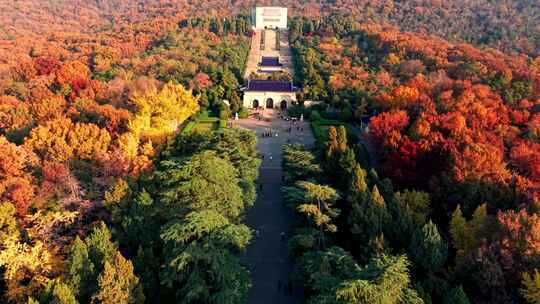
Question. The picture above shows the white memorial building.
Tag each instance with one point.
(270, 17)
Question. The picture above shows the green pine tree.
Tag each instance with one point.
(456, 295)
(358, 189)
(368, 219)
(146, 264)
(428, 249)
(346, 162)
(204, 181)
(57, 292)
(82, 278)
(198, 257)
(459, 231)
(466, 235)
(100, 247)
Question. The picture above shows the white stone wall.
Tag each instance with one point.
(262, 97)
(270, 69)
(270, 17)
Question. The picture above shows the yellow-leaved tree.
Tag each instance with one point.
(61, 140)
(26, 267)
(158, 113)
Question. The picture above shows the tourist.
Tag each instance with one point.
(282, 236)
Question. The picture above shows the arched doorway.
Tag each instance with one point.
(255, 103)
(269, 103)
(283, 104)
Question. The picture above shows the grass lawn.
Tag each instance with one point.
(207, 125)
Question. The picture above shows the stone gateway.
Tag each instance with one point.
(269, 94)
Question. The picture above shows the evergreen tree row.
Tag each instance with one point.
(358, 241)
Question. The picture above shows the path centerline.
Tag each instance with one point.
(267, 256)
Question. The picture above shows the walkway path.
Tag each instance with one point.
(270, 44)
(372, 153)
(285, 53)
(255, 54)
(267, 256)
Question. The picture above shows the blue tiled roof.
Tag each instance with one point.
(270, 62)
(270, 86)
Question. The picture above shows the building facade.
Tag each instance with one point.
(269, 94)
(270, 64)
(270, 17)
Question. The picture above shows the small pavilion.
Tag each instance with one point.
(270, 64)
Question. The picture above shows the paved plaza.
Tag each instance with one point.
(267, 256)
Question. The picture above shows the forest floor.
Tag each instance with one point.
(267, 256)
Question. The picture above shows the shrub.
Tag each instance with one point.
(202, 115)
(315, 116)
(346, 114)
(297, 110)
(243, 113)
(224, 112)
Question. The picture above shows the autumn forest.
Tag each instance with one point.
(123, 180)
